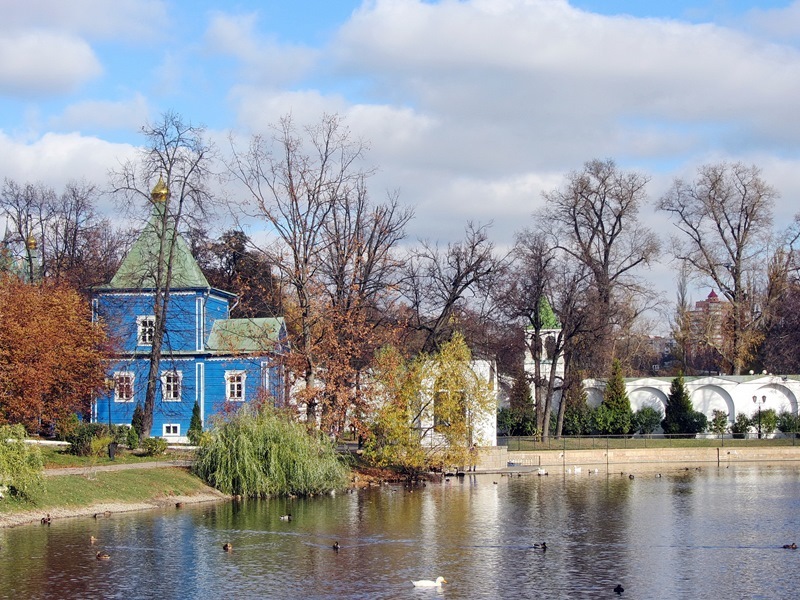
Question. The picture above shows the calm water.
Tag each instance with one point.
(713, 533)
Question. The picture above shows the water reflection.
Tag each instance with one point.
(703, 534)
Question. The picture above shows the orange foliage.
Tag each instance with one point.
(50, 354)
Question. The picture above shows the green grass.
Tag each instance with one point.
(58, 457)
(136, 485)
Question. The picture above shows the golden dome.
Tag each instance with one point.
(30, 243)
(160, 192)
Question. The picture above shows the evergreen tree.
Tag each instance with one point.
(137, 422)
(617, 403)
(680, 415)
(195, 425)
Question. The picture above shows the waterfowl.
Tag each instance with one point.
(92, 540)
(543, 546)
(791, 546)
(102, 556)
(179, 505)
(287, 517)
(336, 546)
(227, 546)
(630, 476)
(428, 583)
(619, 589)
(46, 520)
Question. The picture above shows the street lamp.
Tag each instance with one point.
(763, 401)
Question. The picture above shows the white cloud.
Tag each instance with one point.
(262, 60)
(126, 114)
(42, 62)
(55, 159)
(96, 18)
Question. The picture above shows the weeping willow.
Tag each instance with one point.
(256, 452)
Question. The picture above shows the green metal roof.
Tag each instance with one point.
(244, 335)
(138, 268)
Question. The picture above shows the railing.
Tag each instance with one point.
(580, 442)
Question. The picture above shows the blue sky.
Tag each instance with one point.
(473, 108)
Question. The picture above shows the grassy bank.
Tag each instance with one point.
(117, 491)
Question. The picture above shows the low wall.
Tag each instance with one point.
(499, 458)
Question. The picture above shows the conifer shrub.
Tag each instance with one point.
(680, 417)
(257, 452)
(195, 426)
(132, 440)
(137, 421)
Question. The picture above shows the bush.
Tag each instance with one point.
(768, 420)
(20, 463)
(741, 425)
(81, 438)
(788, 422)
(647, 419)
(256, 452)
(154, 446)
(99, 445)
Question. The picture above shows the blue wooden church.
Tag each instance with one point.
(207, 357)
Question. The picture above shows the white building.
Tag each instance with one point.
(732, 394)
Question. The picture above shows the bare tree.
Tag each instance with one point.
(724, 219)
(73, 244)
(438, 282)
(177, 155)
(594, 219)
(332, 246)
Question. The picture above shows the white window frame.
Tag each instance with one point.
(118, 377)
(231, 385)
(167, 387)
(145, 329)
(171, 430)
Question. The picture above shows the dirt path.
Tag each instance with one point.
(118, 467)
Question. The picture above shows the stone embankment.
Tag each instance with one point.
(558, 461)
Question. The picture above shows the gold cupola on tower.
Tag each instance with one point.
(160, 192)
(30, 242)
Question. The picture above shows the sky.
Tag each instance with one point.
(472, 108)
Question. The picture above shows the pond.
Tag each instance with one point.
(715, 532)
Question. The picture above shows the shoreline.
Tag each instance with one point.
(108, 509)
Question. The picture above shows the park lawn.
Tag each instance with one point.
(126, 486)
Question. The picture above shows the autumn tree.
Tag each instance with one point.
(724, 219)
(179, 160)
(233, 263)
(594, 218)
(429, 409)
(50, 354)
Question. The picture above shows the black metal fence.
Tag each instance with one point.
(580, 442)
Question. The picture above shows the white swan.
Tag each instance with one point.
(428, 583)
